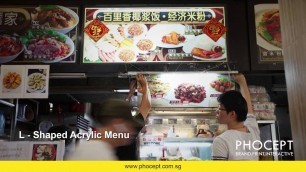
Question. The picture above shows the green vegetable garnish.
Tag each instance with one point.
(267, 35)
(223, 79)
(32, 33)
(47, 7)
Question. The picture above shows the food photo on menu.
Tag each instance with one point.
(47, 43)
(268, 25)
(59, 18)
(36, 81)
(44, 152)
(24, 81)
(268, 32)
(9, 53)
(12, 81)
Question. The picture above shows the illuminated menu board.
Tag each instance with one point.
(159, 34)
(188, 89)
(41, 33)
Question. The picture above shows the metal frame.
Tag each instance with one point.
(273, 134)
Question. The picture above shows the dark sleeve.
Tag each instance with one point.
(129, 152)
(139, 118)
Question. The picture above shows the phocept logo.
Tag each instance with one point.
(257, 147)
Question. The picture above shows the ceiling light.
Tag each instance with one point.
(122, 91)
(181, 112)
(67, 75)
(177, 72)
(6, 103)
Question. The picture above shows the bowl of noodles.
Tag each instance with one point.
(48, 46)
(59, 18)
(10, 48)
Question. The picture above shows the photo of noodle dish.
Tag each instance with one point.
(126, 55)
(135, 30)
(48, 45)
(59, 18)
(10, 47)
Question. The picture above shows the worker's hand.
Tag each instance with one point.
(239, 78)
(142, 85)
(133, 86)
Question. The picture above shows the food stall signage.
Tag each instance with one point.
(156, 34)
(14, 18)
(157, 16)
(10, 18)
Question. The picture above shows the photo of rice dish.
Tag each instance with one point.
(145, 44)
(126, 55)
(135, 30)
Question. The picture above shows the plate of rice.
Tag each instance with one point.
(126, 55)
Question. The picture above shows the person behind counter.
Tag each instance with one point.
(235, 110)
(129, 152)
(113, 116)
